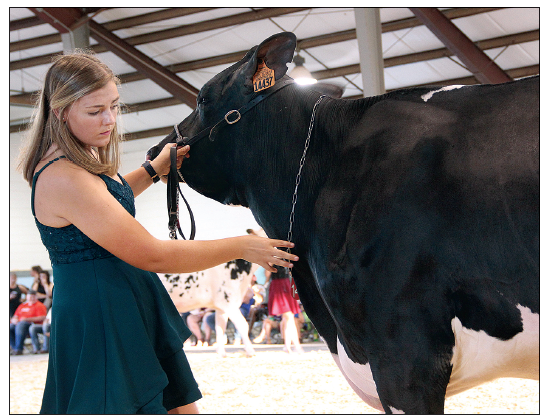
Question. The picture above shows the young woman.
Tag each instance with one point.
(116, 338)
(43, 287)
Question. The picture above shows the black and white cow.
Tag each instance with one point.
(416, 223)
(222, 288)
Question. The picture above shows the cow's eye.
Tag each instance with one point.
(201, 101)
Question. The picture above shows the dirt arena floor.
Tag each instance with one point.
(274, 382)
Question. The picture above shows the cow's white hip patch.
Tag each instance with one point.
(479, 358)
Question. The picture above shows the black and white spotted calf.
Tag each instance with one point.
(223, 288)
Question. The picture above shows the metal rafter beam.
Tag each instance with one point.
(63, 19)
(228, 58)
(395, 25)
(29, 22)
(168, 80)
(113, 25)
(477, 62)
(178, 31)
(486, 44)
(499, 42)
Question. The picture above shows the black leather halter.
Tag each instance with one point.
(173, 187)
(231, 117)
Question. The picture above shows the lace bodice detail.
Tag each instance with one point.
(68, 244)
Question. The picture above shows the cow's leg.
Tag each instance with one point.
(314, 305)
(410, 359)
(409, 388)
(242, 326)
(220, 319)
(402, 335)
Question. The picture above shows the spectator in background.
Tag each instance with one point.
(28, 313)
(36, 329)
(258, 309)
(43, 287)
(250, 300)
(16, 291)
(48, 287)
(35, 273)
(268, 324)
(194, 320)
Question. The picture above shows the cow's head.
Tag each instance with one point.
(210, 168)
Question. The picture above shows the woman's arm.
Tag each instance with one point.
(78, 197)
(140, 179)
(35, 287)
(41, 295)
(40, 318)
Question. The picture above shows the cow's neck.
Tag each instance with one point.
(282, 138)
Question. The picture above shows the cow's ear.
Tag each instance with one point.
(276, 51)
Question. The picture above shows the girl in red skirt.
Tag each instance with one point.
(282, 303)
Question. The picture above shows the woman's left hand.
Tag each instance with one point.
(162, 163)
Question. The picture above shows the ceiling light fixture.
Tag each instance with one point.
(299, 73)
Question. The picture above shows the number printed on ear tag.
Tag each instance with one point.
(263, 78)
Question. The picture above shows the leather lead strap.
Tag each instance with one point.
(173, 188)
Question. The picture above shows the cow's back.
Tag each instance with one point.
(493, 130)
(487, 129)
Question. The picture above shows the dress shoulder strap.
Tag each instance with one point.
(35, 177)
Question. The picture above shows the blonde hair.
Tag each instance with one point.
(70, 77)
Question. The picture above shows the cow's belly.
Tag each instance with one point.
(359, 377)
(478, 357)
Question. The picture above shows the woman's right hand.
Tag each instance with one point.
(265, 252)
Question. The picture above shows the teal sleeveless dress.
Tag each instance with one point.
(116, 337)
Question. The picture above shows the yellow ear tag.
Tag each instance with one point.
(263, 78)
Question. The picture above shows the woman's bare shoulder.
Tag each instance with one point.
(60, 188)
(64, 174)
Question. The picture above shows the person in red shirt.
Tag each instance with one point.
(28, 313)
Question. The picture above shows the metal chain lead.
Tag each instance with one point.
(298, 180)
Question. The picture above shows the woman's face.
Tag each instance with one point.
(93, 117)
